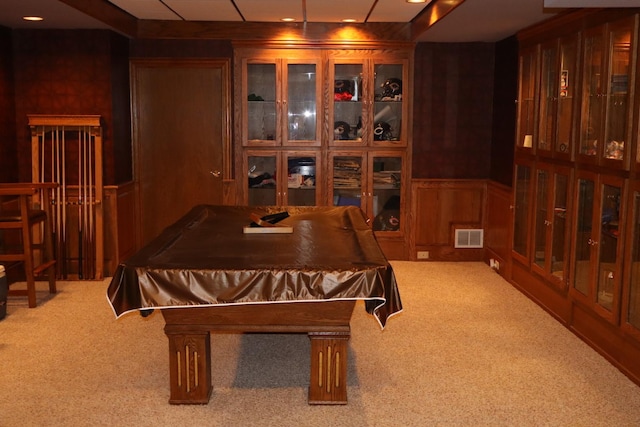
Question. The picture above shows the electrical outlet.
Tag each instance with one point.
(423, 254)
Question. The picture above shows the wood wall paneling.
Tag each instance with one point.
(497, 236)
(439, 208)
(8, 149)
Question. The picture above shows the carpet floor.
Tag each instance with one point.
(468, 350)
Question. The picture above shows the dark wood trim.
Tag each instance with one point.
(106, 12)
(286, 34)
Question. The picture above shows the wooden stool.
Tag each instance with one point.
(32, 224)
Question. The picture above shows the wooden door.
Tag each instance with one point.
(180, 134)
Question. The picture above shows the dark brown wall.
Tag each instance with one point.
(8, 153)
(74, 72)
(504, 110)
(453, 110)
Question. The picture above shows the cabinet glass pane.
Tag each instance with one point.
(608, 245)
(347, 102)
(387, 177)
(633, 309)
(542, 223)
(347, 181)
(593, 96)
(548, 97)
(262, 180)
(521, 209)
(261, 87)
(584, 217)
(387, 120)
(559, 226)
(566, 92)
(526, 102)
(301, 101)
(618, 99)
(301, 185)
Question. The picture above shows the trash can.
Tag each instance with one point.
(4, 289)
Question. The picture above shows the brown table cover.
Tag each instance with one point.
(205, 259)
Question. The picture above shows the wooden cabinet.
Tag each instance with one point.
(323, 126)
(281, 178)
(281, 98)
(368, 107)
(597, 260)
(576, 193)
(607, 65)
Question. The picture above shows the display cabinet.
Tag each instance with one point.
(557, 97)
(608, 64)
(281, 178)
(575, 186)
(368, 107)
(597, 261)
(281, 99)
(551, 225)
(371, 181)
(326, 126)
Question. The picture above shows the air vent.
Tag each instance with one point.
(469, 238)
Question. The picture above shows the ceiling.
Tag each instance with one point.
(471, 21)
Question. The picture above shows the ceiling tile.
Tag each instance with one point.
(146, 9)
(271, 10)
(337, 10)
(205, 10)
(395, 11)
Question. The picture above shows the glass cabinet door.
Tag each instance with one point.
(386, 194)
(522, 189)
(542, 223)
(348, 101)
(261, 102)
(281, 102)
(560, 228)
(302, 85)
(608, 263)
(526, 98)
(550, 235)
(262, 170)
(631, 316)
(582, 257)
(566, 97)
(605, 105)
(597, 239)
(548, 98)
(346, 185)
(302, 179)
(388, 106)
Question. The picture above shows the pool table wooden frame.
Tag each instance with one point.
(325, 322)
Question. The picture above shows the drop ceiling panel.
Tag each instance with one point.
(395, 11)
(146, 9)
(337, 10)
(205, 10)
(270, 11)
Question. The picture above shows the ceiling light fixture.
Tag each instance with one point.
(288, 19)
(33, 18)
(349, 20)
(416, 1)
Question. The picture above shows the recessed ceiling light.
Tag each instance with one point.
(416, 1)
(288, 19)
(33, 18)
(349, 20)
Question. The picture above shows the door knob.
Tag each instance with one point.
(216, 174)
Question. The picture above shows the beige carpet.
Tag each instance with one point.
(468, 350)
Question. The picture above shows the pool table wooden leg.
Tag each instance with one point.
(189, 367)
(328, 384)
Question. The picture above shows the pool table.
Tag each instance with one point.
(205, 274)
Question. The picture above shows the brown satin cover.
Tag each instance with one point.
(205, 259)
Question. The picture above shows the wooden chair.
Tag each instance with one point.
(26, 234)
